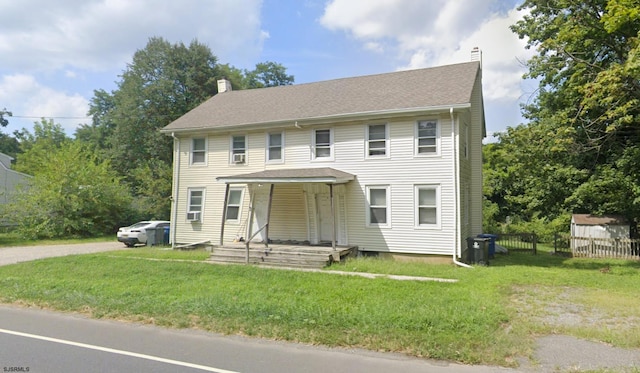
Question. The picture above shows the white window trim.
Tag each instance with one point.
(387, 188)
(438, 206)
(367, 142)
(239, 219)
(313, 145)
(206, 143)
(415, 138)
(246, 150)
(268, 146)
(189, 191)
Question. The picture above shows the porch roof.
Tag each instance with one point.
(324, 175)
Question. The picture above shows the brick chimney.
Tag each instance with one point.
(224, 85)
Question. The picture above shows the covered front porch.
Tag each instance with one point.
(305, 223)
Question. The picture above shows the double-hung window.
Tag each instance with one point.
(198, 150)
(234, 203)
(275, 146)
(322, 144)
(427, 199)
(195, 205)
(377, 142)
(427, 137)
(238, 149)
(378, 206)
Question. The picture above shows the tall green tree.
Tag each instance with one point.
(163, 82)
(36, 147)
(73, 194)
(267, 74)
(577, 153)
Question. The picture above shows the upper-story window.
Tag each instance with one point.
(238, 149)
(427, 137)
(275, 147)
(323, 144)
(377, 140)
(198, 150)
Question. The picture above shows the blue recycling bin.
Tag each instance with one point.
(166, 236)
(492, 243)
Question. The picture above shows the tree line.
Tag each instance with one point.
(118, 168)
(579, 152)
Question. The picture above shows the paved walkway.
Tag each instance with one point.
(12, 255)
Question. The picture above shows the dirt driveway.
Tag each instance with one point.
(12, 255)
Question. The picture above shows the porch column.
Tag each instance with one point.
(250, 225)
(333, 218)
(266, 229)
(224, 217)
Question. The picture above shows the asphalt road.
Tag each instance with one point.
(41, 341)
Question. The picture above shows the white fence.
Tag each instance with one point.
(593, 247)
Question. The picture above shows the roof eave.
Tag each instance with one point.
(279, 180)
(323, 119)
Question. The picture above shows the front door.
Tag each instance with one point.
(325, 230)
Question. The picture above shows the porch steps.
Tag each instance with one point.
(307, 257)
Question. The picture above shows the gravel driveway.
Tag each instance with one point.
(12, 255)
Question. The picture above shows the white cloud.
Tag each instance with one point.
(436, 32)
(103, 34)
(29, 101)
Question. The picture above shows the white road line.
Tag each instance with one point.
(119, 352)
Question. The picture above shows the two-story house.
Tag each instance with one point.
(389, 163)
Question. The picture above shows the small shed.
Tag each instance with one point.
(605, 226)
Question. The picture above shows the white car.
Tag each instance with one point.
(137, 233)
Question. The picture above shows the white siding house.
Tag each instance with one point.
(10, 181)
(389, 163)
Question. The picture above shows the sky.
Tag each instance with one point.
(54, 54)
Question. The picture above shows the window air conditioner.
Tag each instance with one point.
(193, 216)
(238, 158)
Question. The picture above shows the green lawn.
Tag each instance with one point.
(491, 315)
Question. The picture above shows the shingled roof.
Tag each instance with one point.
(403, 91)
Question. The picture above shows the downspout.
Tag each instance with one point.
(456, 195)
(176, 183)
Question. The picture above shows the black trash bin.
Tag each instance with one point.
(492, 243)
(478, 250)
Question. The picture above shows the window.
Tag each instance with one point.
(378, 206)
(198, 150)
(427, 137)
(238, 149)
(427, 197)
(275, 145)
(233, 204)
(322, 144)
(195, 204)
(377, 140)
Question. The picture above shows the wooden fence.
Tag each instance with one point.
(618, 248)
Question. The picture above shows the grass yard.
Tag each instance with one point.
(491, 315)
